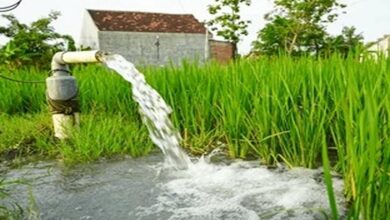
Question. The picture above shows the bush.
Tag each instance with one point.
(32, 44)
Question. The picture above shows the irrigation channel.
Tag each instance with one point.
(173, 186)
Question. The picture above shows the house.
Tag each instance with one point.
(152, 38)
(381, 46)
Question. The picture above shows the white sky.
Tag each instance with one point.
(371, 17)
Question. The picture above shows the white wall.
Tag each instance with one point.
(140, 48)
(383, 45)
(89, 33)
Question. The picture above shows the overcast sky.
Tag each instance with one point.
(371, 17)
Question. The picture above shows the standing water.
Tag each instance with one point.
(142, 189)
(154, 111)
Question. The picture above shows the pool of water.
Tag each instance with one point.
(144, 188)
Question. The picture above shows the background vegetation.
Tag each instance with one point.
(227, 22)
(32, 44)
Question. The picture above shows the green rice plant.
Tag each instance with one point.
(105, 135)
(16, 98)
(366, 125)
(277, 109)
(328, 181)
(103, 90)
(25, 136)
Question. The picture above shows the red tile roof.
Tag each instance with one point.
(146, 22)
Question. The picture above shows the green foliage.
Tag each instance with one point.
(227, 20)
(26, 135)
(106, 135)
(282, 109)
(30, 97)
(32, 44)
(298, 27)
(328, 180)
(347, 42)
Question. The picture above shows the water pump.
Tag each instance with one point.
(62, 90)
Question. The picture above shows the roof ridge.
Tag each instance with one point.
(143, 12)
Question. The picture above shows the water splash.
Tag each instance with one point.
(242, 190)
(143, 189)
(154, 111)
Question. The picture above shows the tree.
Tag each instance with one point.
(348, 42)
(227, 21)
(33, 44)
(297, 27)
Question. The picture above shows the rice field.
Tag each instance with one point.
(305, 112)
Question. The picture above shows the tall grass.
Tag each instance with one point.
(275, 109)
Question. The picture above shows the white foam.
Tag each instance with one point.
(242, 190)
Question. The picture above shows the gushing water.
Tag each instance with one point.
(154, 111)
(142, 189)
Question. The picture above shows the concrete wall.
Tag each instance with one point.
(89, 33)
(140, 48)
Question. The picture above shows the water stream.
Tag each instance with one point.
(154, 111)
